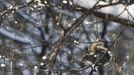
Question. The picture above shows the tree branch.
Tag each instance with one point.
(118, 13)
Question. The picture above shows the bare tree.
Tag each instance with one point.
(66, 37)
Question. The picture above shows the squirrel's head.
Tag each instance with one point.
(93, 46)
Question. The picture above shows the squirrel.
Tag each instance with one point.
(97, 50)
(97, 46)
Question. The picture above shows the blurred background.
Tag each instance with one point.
(50, 37)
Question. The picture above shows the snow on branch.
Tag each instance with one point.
(85, 3)
(120, 13)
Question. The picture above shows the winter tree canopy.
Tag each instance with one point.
(66, 37)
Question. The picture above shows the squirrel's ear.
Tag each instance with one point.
(98, 39)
